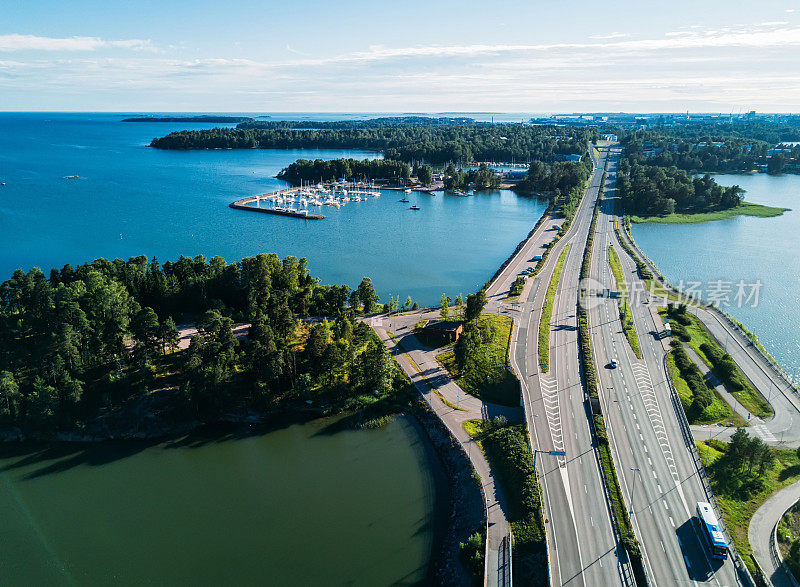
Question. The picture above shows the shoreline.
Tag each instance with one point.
(745, 209)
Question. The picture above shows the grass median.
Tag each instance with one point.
(547, 313)
(625, 315)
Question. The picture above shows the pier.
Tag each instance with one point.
(296, 201)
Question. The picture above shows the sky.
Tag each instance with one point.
(412, 56)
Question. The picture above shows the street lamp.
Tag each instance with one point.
(633, 489)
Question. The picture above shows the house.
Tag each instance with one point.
(442, 331)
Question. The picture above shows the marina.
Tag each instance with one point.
(304, 201)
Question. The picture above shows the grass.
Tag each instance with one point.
(625, 315)
(509, 454)
(748, 396)
(718, 411)
(491, 378)
(744, 209)
(737, 506)
(445, 401)
(547, 313)
(618, 507)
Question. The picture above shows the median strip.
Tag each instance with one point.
(547, 313)
(625, 315)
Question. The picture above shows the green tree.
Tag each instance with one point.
(475, 304)
(445, 306)
(425, 175)
(10, 398)
(367, 295)
(169, 334)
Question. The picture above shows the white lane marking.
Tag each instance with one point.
(671, 521)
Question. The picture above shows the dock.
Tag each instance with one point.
(283, 202)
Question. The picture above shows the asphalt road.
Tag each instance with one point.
(583, 549)
(649, 447)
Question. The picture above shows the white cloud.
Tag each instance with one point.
(614, 35)
(16, 42)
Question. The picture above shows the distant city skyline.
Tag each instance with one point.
(248, 56)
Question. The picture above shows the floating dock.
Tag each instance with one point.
(291, 212)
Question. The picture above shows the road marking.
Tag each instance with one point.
(666, 505)
(671, 521)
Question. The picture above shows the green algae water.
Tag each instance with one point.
(302, 505)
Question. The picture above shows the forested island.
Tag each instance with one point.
(436, 143)
(319, 170)
(205, 118)
(93, 350)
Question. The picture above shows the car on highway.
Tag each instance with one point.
(613, 364)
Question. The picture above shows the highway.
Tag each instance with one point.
(649, 447)
(583, 549)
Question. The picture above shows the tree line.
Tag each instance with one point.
(556, 178)
(435, 144)
(648, 190)
(93, 337)
(481, 178)
(304, 170)
(717, 152)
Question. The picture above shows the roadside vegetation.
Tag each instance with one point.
(625, 315)
(744, 474)
(509, 454)
(547, 313)
(687, 328)
(479, 361)
(701, 402)
(789, 539)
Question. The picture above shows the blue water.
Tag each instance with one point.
(748, 249)
(131, 200)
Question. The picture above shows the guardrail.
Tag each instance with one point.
(701, 471)
(778, 370)
(775, 551)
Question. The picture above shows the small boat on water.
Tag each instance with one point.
(415, 207)
(70, 177)
(407, 190)
(404, 200)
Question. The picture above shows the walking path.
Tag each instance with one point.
(429, 377)
(760, 534)
(783, 429)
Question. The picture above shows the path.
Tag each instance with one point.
(760, 533)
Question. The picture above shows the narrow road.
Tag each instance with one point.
(783, 429)
(762, 527)
(426, 374)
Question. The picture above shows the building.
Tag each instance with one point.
(442, 331)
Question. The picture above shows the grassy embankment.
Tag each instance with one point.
(547, 313)
(490, 377)
(690, 330)
(625, 315)
(744, 209)
(717, 410)
(509, 454)
(740, 492)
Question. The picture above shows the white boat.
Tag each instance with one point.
(407, 190)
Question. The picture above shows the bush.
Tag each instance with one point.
(472, 554)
